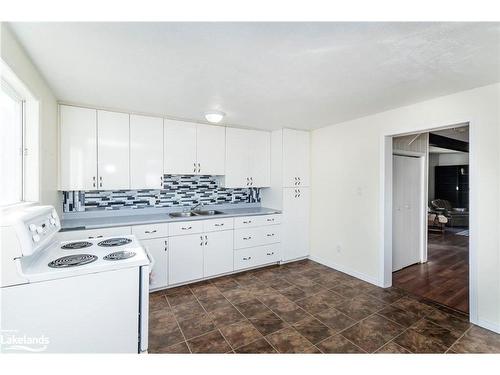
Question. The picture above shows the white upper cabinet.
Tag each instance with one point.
(296, 158)
(78, 148)
(113, 136)
(210, 149)
(180, 147)
(193, 148)
(247, 158)
(146, 152)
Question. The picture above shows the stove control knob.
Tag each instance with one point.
(36, 238)
(39, 230)
(52, 221)
(32, 227)
(54, 214)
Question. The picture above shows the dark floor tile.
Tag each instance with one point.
(335, 319)
(238, 295)
(435, 332)
(260, 291)
(446, 320)
(180, 348)
(313, 304)
(205, 290)
(289, 340)
(181, 297)
(290, 312)
(184, 289)
(279, 284)
(373, 332)
(215, 302)
(240, 334)
(267, 323)
(163, 332)
(211, 342)
(411, 304)
(274, 300)
(196, 326)
(403, 317)
(293, 293)
(261, 346)
(225, 315)
(252, 307)
(338, 344)
(226, 283)
(331, 298)
(392, 348)
(313, 330)
(361, 306)
(417, 343)
(478, 340)
(188, 310)
(346, 290)
(388, 295)
(158, 302)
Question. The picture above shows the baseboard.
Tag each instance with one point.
(346, 270)
(495, 327)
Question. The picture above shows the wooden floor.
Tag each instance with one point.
(445, 276)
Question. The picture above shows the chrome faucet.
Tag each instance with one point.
(200, 204)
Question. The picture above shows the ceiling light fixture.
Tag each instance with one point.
(214, 116)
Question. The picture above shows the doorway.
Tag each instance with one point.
(440, 271)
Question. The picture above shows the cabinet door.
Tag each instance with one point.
(78, 148)
(295, 226)
(218, 253)
(180, 147)
(238, 144)
(260, 158)
(158, 248)
(210, 149)
(146, 152)
(185, 258)
(295, 158)
(113, 151)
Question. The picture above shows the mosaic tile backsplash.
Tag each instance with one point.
(177, 191)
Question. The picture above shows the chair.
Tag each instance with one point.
(457, 217)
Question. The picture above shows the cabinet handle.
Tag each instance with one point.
(272, 253)
(270, 235)
(187, 228)
(247, 238)
(270, 219)
(199, 167)
(93, 179)
(206, 240)
(247, 222)
(161, 182)
(150, 232)
(201, 238)
(194, 164)
(219, 225)
(247, 258)
(166, 245)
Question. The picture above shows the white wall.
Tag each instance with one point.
(347, 229)
(19, 62)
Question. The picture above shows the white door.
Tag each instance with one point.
(238, 148)
(180, 147)
(406, 221)
(113, 151)
(295, 226)
(78, 148)
(146, 152)
(260, 158)
(158, 247)
(185, 258)
(210, 149)
(218, 253)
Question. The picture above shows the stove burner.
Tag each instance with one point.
(115, 242)
(72, 261)
(119, 255)
(76, 245)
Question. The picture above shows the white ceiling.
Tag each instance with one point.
(263, 75)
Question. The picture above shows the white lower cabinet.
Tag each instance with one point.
(185, 258)
(218, 253)
(158, 248)
(256, 256)
(295, 223)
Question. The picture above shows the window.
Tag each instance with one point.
(11, 146)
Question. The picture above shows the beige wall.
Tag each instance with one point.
(347, 226)
(19, 62)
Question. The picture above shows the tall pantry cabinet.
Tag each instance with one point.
(290, 189)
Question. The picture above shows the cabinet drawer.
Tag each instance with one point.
(268, 254)
(245, 258)
(93, 233)
(185, 227)
(256, 236)
(147, 231)
(256, 221)
(213, 225)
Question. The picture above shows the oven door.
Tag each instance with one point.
(144, 309)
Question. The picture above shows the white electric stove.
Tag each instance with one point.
(77, 296)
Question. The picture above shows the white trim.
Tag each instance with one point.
(488, 325)
(385, 245)
(349, 271)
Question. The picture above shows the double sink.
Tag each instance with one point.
(196, 213)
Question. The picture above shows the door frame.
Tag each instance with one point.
(385, 266)
(424, 193)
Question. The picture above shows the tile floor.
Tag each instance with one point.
(305, 307)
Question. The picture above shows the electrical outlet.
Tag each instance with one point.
(339, 248)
